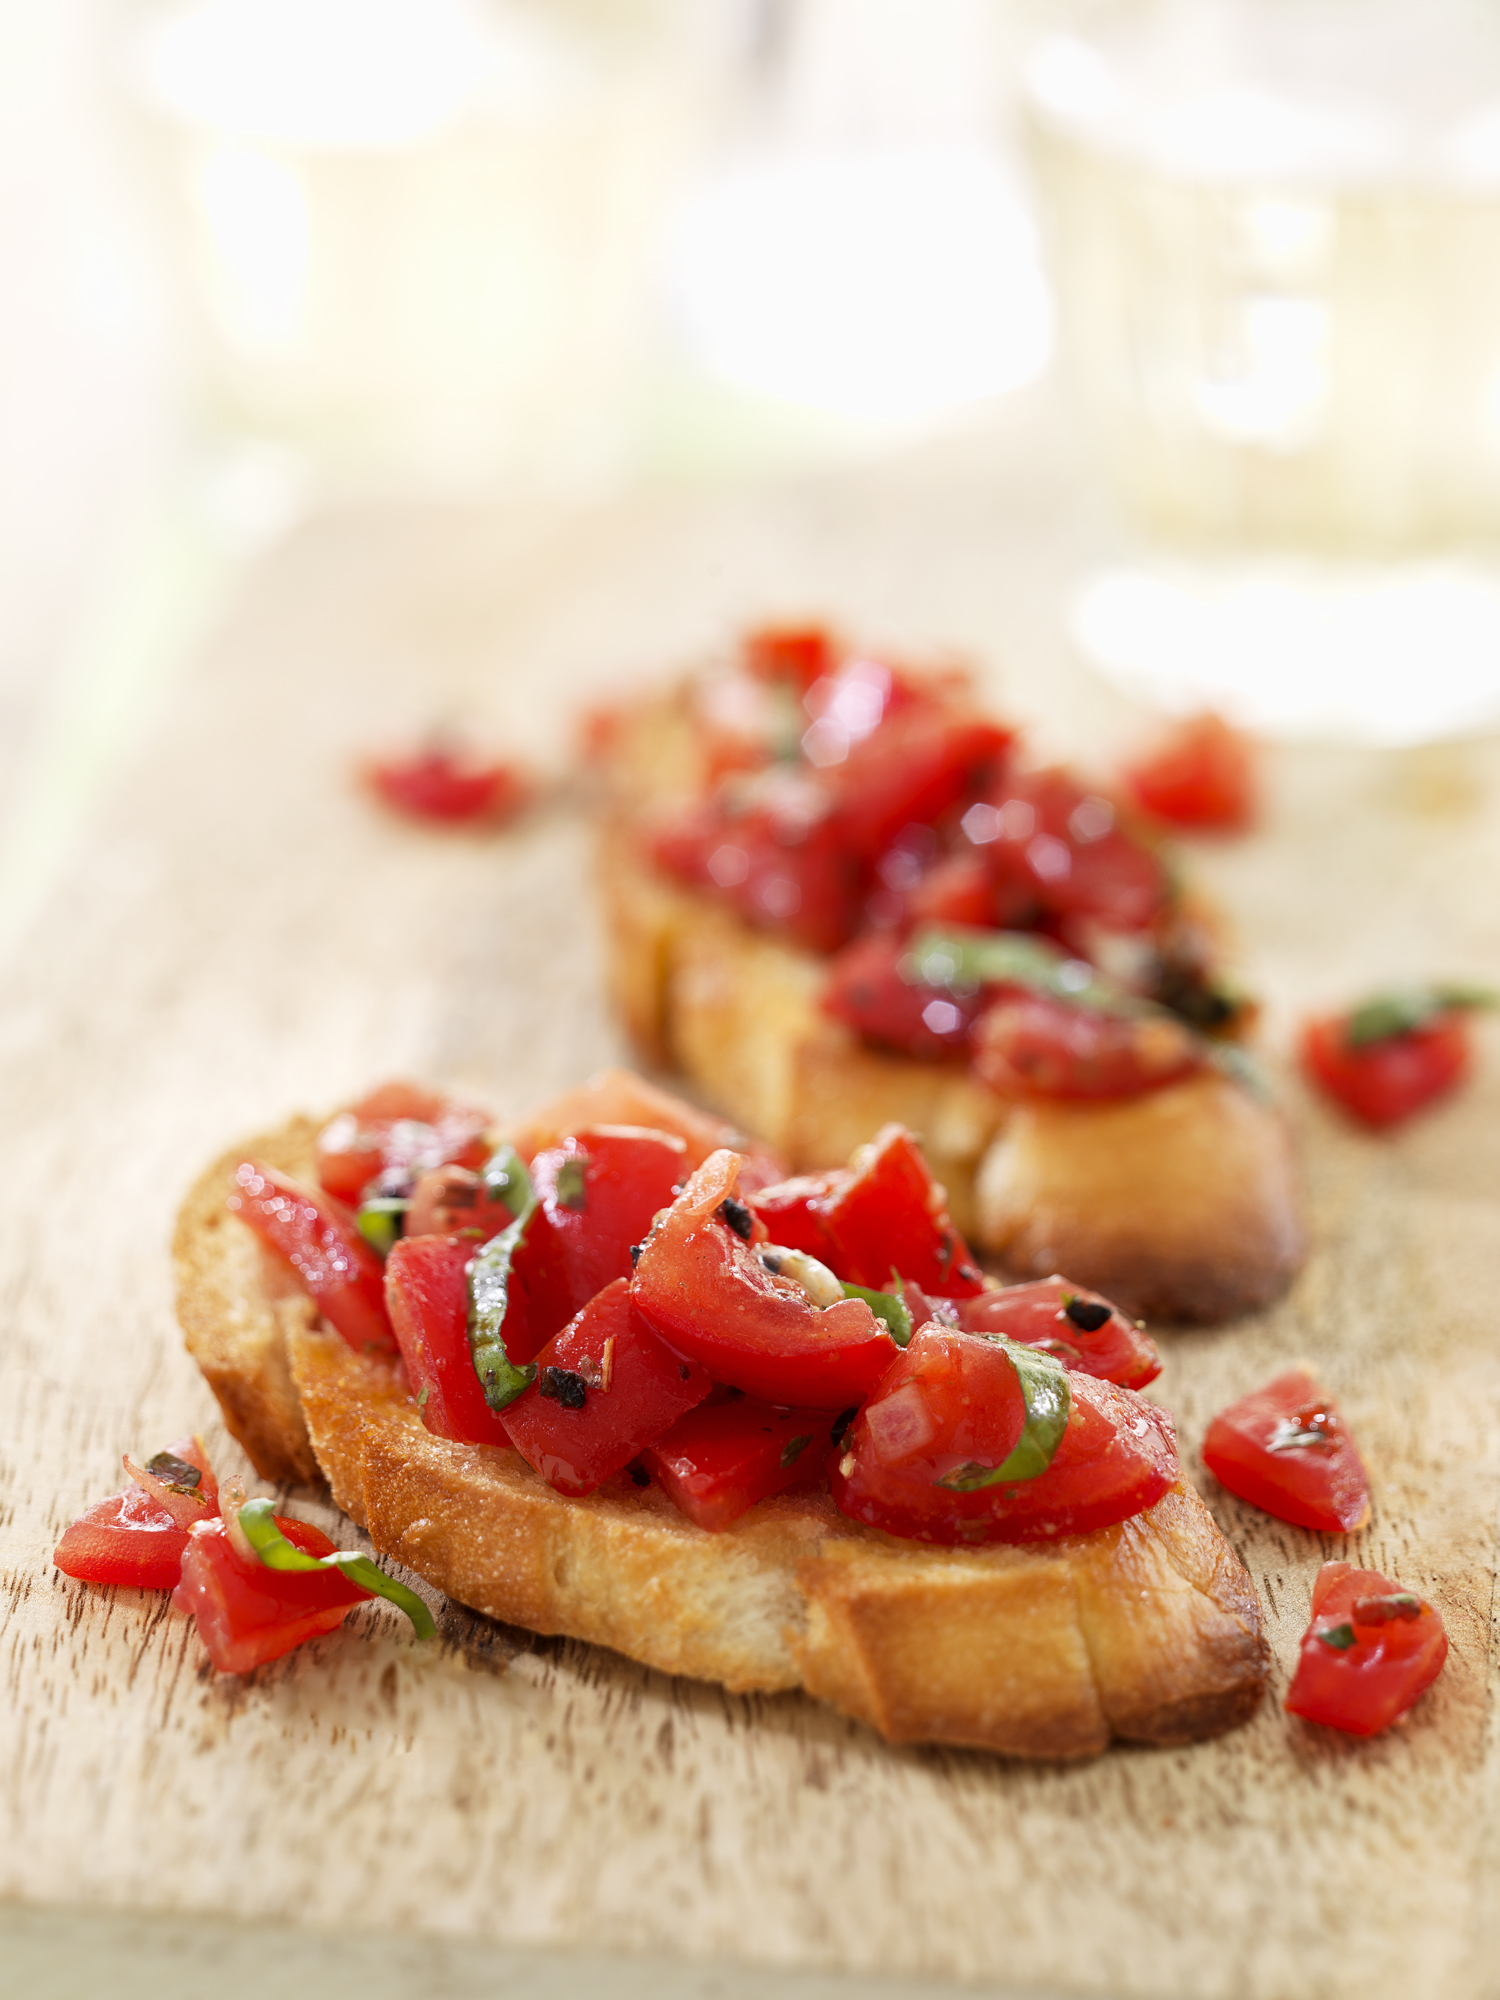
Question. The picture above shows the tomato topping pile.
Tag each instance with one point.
(1372, 1648)
(1201, 777)
(636, 1301)
(446, 788)
(1285, 1449)
(1394, 1055)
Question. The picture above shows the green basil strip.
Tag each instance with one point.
(958, 959)
(258, 1521)
(1339, 1637)
(888, 1309)
(1044, 1385)
(792, 1450)
(379, 1222)
(1397, 1013)
(501, 1380)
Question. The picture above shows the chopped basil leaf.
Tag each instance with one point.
(572, 1190)
(379, 1221)
(887, 1308)
(174, 1472)
(489, 1289)
(1340, 1637)
(426, 1391)
(258, 1521)
(1044, 1385)
(1408, 1007)
(793, 1449)
(960, 960)
(505, 1179)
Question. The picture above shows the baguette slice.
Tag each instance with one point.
(1149, 1631)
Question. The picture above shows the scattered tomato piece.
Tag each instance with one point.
(447, 788)
(1285, 1449)
(1371, 1649)
(1395, 1054)
(317, 1239)
(1201, 776)
(132, 1538)
(248, 1614)
(722, 1458)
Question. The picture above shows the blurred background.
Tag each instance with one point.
(272, 257)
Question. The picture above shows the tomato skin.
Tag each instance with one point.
(453, 1201)
(448, 789)
(1314, 1486)
(1031, 1045)
(1381, 1083)
(798, 653)
(1201, 776)
(427, 1296)
(720, 1459)
(248, 1614)
(780, 862)
(1035, 1315)
(888, 1213)
(920, 762)
(1363, 1687)
(317, 1238)
(865, 989)
(620, 1097)
(1053, 847)
(650, 1388)
(957, 890)
(1117, 1457)
(707, 1294)
(402, 1127)
(131, 1538)
(793, 1212)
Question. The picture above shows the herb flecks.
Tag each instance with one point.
(1407, 1008)
(1088, 1315)
(175, 1472)
(1339, 1637)
(1392, 1606)
(841, 1425)
(564, 1386)
(792, 1450)
(738, 1216)
(572, 1189)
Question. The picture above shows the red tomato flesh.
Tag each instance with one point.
(721, 1458)
(888, 1214)
(1054, 847)
(1372, 1648)
(703, 1288)
(865, 989)
(1384, 1082)
(1284, 1448)
(606, 1388)
(1080, 1327)
(798, 653)
(427, 1295)
(793, 1212)
(131, 1538)
(954, 1399)
(922, 760)
(453, 790)
(398, 1128)
(620, 1097)
(778, 860)
(248, 1614)
(317, 1239)
(1201, 776)
(1031, 1045)
(453, 1201)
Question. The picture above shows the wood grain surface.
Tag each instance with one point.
(242, 936)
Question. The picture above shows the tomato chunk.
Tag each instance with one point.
(1372, 1648)
(1201, 776)
(721, 1458)
(889, 1214)
(248, 1614)
(775, 855)
(921, 761)
(454, 1201)
(798, 653)
(132, 1538)
(620, 1097)
(1285, 1449)
(1386, 1081)
(1080, 1327)
(317, 1239)
(1053, 847)
(399, 1129)
(703, 1288)
(606, 1387)
(954, 1400)
(1031, 1045)
(427, 1295)
(794, 1213)
(867, 990)
(449, 788)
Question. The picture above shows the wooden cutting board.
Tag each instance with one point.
(241, 935)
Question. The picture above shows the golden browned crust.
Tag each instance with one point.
(1183, 1203)
(1149, 1631)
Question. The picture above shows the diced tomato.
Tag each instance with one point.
(704, 1289)
(447, 787)
(888, 1214)
(958, 890)
(248, 1614)
(620, 1097)
(1031, 1045)
(399, 1127)
(918, 764)
(865, 988)
(1372, 1648)
(1080, 1327)
(793, 1212)
(1285, 1450)
(132, 1538)
(1052, 845)
(1385, 1081)
(606, 1388)
(598, 1194)
(721, 1458)
(798, 653)
(453, 1201)
(317, 1238)
(1200, 776)
(953, 1400)
(778, 860)
(427, 1296)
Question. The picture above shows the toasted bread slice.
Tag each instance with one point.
(1148, 1631)
(1183, 1203)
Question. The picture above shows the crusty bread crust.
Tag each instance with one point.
(1183, 1204)
(1148, 1631)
